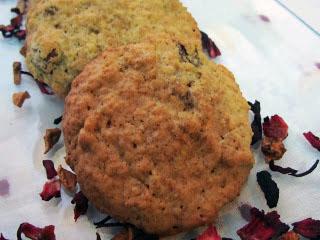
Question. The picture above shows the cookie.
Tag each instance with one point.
(158, 136)
(64, 35)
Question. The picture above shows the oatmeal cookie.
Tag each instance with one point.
(158, 136)
(64, 35)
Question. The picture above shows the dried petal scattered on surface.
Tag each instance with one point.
(291, 171)
(308, 228)
(51, 138)
(2, 237)
(256, 125)
(20, 8)
(50, 170)
(269, 188)
(57, 120)
(290, 236)
(19, 98)
(313, 140)
(209, 45)
(275, 127)
(35, 233)
(67, 179)
(245, 211)
(98, 236)
(44, 88)
(16, 73)
(263, 226)
(81, 205)
(272, 149)
(14, 28)
(209, 234)
(51, 189)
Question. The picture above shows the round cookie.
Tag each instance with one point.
(64, 35)
(158, 136)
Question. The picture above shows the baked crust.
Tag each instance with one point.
(64, 35)
(157, 136)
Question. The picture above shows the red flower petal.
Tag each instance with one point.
(264, 18)
(16, 21)
(81, 205)
(269, 188)
(256, 123)
(263, 226)
(44, 88)
(308, 228)
(275, 127)
(209, 45)
(51, 189)
(50, 170)
(313, 140)
(21, 34)
(210, 234)
(245, 211)
(35, 233)
(2, 237)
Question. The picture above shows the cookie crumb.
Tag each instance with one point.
(16, 73)
(273, 149)
(67, 179)
(23, 50)
(290, 236)
(51, 138)
(50, 170)
(19, 98)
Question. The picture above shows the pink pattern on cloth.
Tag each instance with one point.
(4, 187)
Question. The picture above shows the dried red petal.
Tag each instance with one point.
(35, 233)
(275, 127)
(81, 207)
(256, 123)
(21, 34)
(264, 18)
(308, 228)
(50, 170)
(291, 171)
(2, 237)
(263, 226)
(57, 120)
(209, 234)
(269, 188)
(44, 88)
(313, 140)
(7, 31)
(51, 189)
(209, 45)
(272, 149)
(16, 21)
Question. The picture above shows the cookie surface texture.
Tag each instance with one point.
(64, 35)
(158, 136)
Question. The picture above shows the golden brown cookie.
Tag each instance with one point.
(64, 35)
(158, 136)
